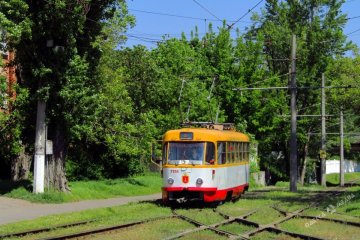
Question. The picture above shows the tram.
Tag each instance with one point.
(208, 162)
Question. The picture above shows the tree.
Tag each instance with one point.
(318, 26)
(344, 71)
(14, 25)
(58, 64)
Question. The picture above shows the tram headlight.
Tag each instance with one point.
(199, 181)
(170, 181)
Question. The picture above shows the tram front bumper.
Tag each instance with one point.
(189, 193)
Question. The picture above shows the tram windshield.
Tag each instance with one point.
(186, 153)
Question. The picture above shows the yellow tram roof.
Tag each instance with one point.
(204, 134)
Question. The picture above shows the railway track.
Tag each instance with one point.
(46, 229)
(243, 219)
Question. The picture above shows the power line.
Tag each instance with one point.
(180, 16)
(207, 10)
(350, 18)
(357, 30)
(229, 27)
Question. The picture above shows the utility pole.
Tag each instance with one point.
(341, 148)
(39, 160)
(293, 139)
(323, 134)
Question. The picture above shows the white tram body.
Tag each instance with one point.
(204, 164)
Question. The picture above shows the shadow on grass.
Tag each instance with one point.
(194, 204)
(352, 209)
(331, 184)
(131, 181)
(7, 186)
(134, 182)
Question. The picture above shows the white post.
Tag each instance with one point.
(39, 159)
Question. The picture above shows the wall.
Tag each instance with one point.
(8, 71)
(333, 166)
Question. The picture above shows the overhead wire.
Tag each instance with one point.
(207, 10)
(238, 20)
(176, 15)
(143, 39)
(194, 18)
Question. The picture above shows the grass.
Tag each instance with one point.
(320, 228)
(347, 203)
(206, 234)
(265, 216)
(85, 190)
(334, 178)
(205, 216)
(165, 228)
(265, 235)
(104, 217)
(333, 215)
(262, 202)
(236, 228)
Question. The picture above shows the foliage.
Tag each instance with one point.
(254, 167)
(112, 102)
(317, 26)
(13, 21)
(58, 63)
(344, 72)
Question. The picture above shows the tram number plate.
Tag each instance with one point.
(174, 171)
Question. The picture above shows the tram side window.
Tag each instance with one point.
(232, 152)
(242, 151)
(164, 155)
(246, 151)
(238, 154)
(210, 153)
(221, 147)
(228, 152)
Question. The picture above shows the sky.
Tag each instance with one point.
(158, 18)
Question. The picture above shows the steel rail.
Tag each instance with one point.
(200, 227)
(105, 229)
(228, 219)
(357, 224)
(271, 227)
(47, 229)
(293, 234)
(283, 212)
(337, 213)
(273, 224)
(288, 215)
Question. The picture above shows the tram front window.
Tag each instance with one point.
(186, 153)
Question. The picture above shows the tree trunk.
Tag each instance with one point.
(20, 166)
(55, 176)
(306, 152)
